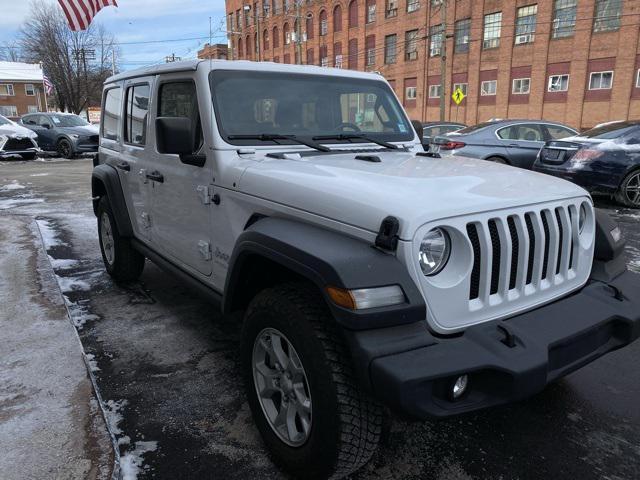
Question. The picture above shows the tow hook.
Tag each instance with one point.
(617, 293)
(509, 338)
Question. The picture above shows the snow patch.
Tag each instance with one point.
(131, 463)
(113, 409)
(39, 175)
(79, 313)
(93, 364)
(49, 235)
(7, 203)
(12, 186)
(62, 263)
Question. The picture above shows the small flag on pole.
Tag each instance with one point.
(48, 86)
(79, 13)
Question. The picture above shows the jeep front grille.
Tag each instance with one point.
(547, 237)
(507, 261)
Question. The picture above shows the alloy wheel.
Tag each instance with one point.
(632, 189)
(282, 387)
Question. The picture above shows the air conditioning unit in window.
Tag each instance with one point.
(520, 39)
(435, 51)
(412, 55)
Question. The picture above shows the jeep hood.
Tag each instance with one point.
(412, 188)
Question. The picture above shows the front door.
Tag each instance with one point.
(523, 142)
(181, 211)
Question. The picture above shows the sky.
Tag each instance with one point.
(141, 21)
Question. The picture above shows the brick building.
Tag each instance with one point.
(574, 61)
(21, 89)
(217, 51)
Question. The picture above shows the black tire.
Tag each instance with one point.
(346, 423)
(28, 156)
(622, 196)
(65, 149)
(124, 264)
(497, 160)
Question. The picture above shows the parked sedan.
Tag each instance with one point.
(16, 140)
(434, 129)
(512, 142)
(604, 160)
(64, 133)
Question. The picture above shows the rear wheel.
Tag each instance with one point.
(629, 192)
(312, 416)
(65, 149)
(121, 260)
(498, 160)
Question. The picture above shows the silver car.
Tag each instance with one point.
(16, 140)
(512, 142)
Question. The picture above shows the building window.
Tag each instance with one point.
(8, 110)
(607, 15)
(461, 86)
(29, 90)
(410, 93)
(353, 54)
(338, 61)
(521, 86)
(462, 34)
(353, 13)
(488, 88)
(323, 23)
(492, 27)
(526, 24)
(6, 90)
(324, 60)
(600, 80)
(564, 18)
(337, 19)
(371, 11)
(370, 50)
(390, 48)
(276, 38)
(33, 109)
(434, 91)
(638, 79)
(310, 59)
(391, 9)
(558, 83)
(265, 40)
(286, 35)
(413, 5)
(265, 8)
(435, 44)
(411, 45)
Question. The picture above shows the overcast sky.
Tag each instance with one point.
(140, 20)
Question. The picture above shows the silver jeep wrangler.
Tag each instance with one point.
(371, 275)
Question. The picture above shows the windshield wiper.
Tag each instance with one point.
(274, 137)
(356, 136)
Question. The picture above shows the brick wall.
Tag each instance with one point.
(20, 100)
(578, 54)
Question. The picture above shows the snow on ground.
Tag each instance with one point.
(49, 234)
(14, 185)
(113, 409)
(131, 462)
(72, 284)
(93, 364)
(62, 263)
(39, 175)
(9, 203)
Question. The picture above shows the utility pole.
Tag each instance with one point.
(298, 32)
(256, 14)
(443, 63)
(113, 61)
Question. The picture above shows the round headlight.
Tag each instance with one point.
(582, 217)
(435, 249)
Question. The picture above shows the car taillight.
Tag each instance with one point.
(586, 154)
(452, 145)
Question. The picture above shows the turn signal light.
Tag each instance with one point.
(363, 298)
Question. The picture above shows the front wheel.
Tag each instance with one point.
(629, 192)
(314, 419)
(121, 260)
(65, 149)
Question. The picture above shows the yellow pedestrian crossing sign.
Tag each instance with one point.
(458, 95)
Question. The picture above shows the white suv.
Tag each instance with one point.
(370, 273)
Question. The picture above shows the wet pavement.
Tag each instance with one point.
(167, 369)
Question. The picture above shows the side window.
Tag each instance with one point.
(42, 120)
(111, 113)
(29, 120)
(556, 132)
(530, 133)
(179, 99)
(135, 129)
(508, 133)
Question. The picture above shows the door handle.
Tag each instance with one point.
(123, 166)
(155, 176)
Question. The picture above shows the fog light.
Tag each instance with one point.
(459, 386)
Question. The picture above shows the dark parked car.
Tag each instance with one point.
(604, 160)
(64, 133)
(513, 142)
(433, 129)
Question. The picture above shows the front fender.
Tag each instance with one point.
(326, 258)
(105, 181)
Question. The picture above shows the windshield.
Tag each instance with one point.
(68, 121)
(307, 106)
(4, 121)
(611, 130)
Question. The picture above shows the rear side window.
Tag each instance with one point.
(111, 113)
(527, 133)
(135, 130)
(556, 132)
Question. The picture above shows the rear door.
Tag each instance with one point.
(523, 141)
(181, 211)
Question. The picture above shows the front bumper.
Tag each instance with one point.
(82, 146)
(412, 370)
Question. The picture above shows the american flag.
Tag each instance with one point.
(48, 86)
(79, 13)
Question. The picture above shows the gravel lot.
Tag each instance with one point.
(166, 366)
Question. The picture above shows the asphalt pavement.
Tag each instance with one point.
(166, 366)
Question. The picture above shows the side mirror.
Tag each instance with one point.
(47, 126)
(417, 126)
(176, 135)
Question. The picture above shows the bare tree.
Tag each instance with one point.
(10, 52)
(77, 63)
